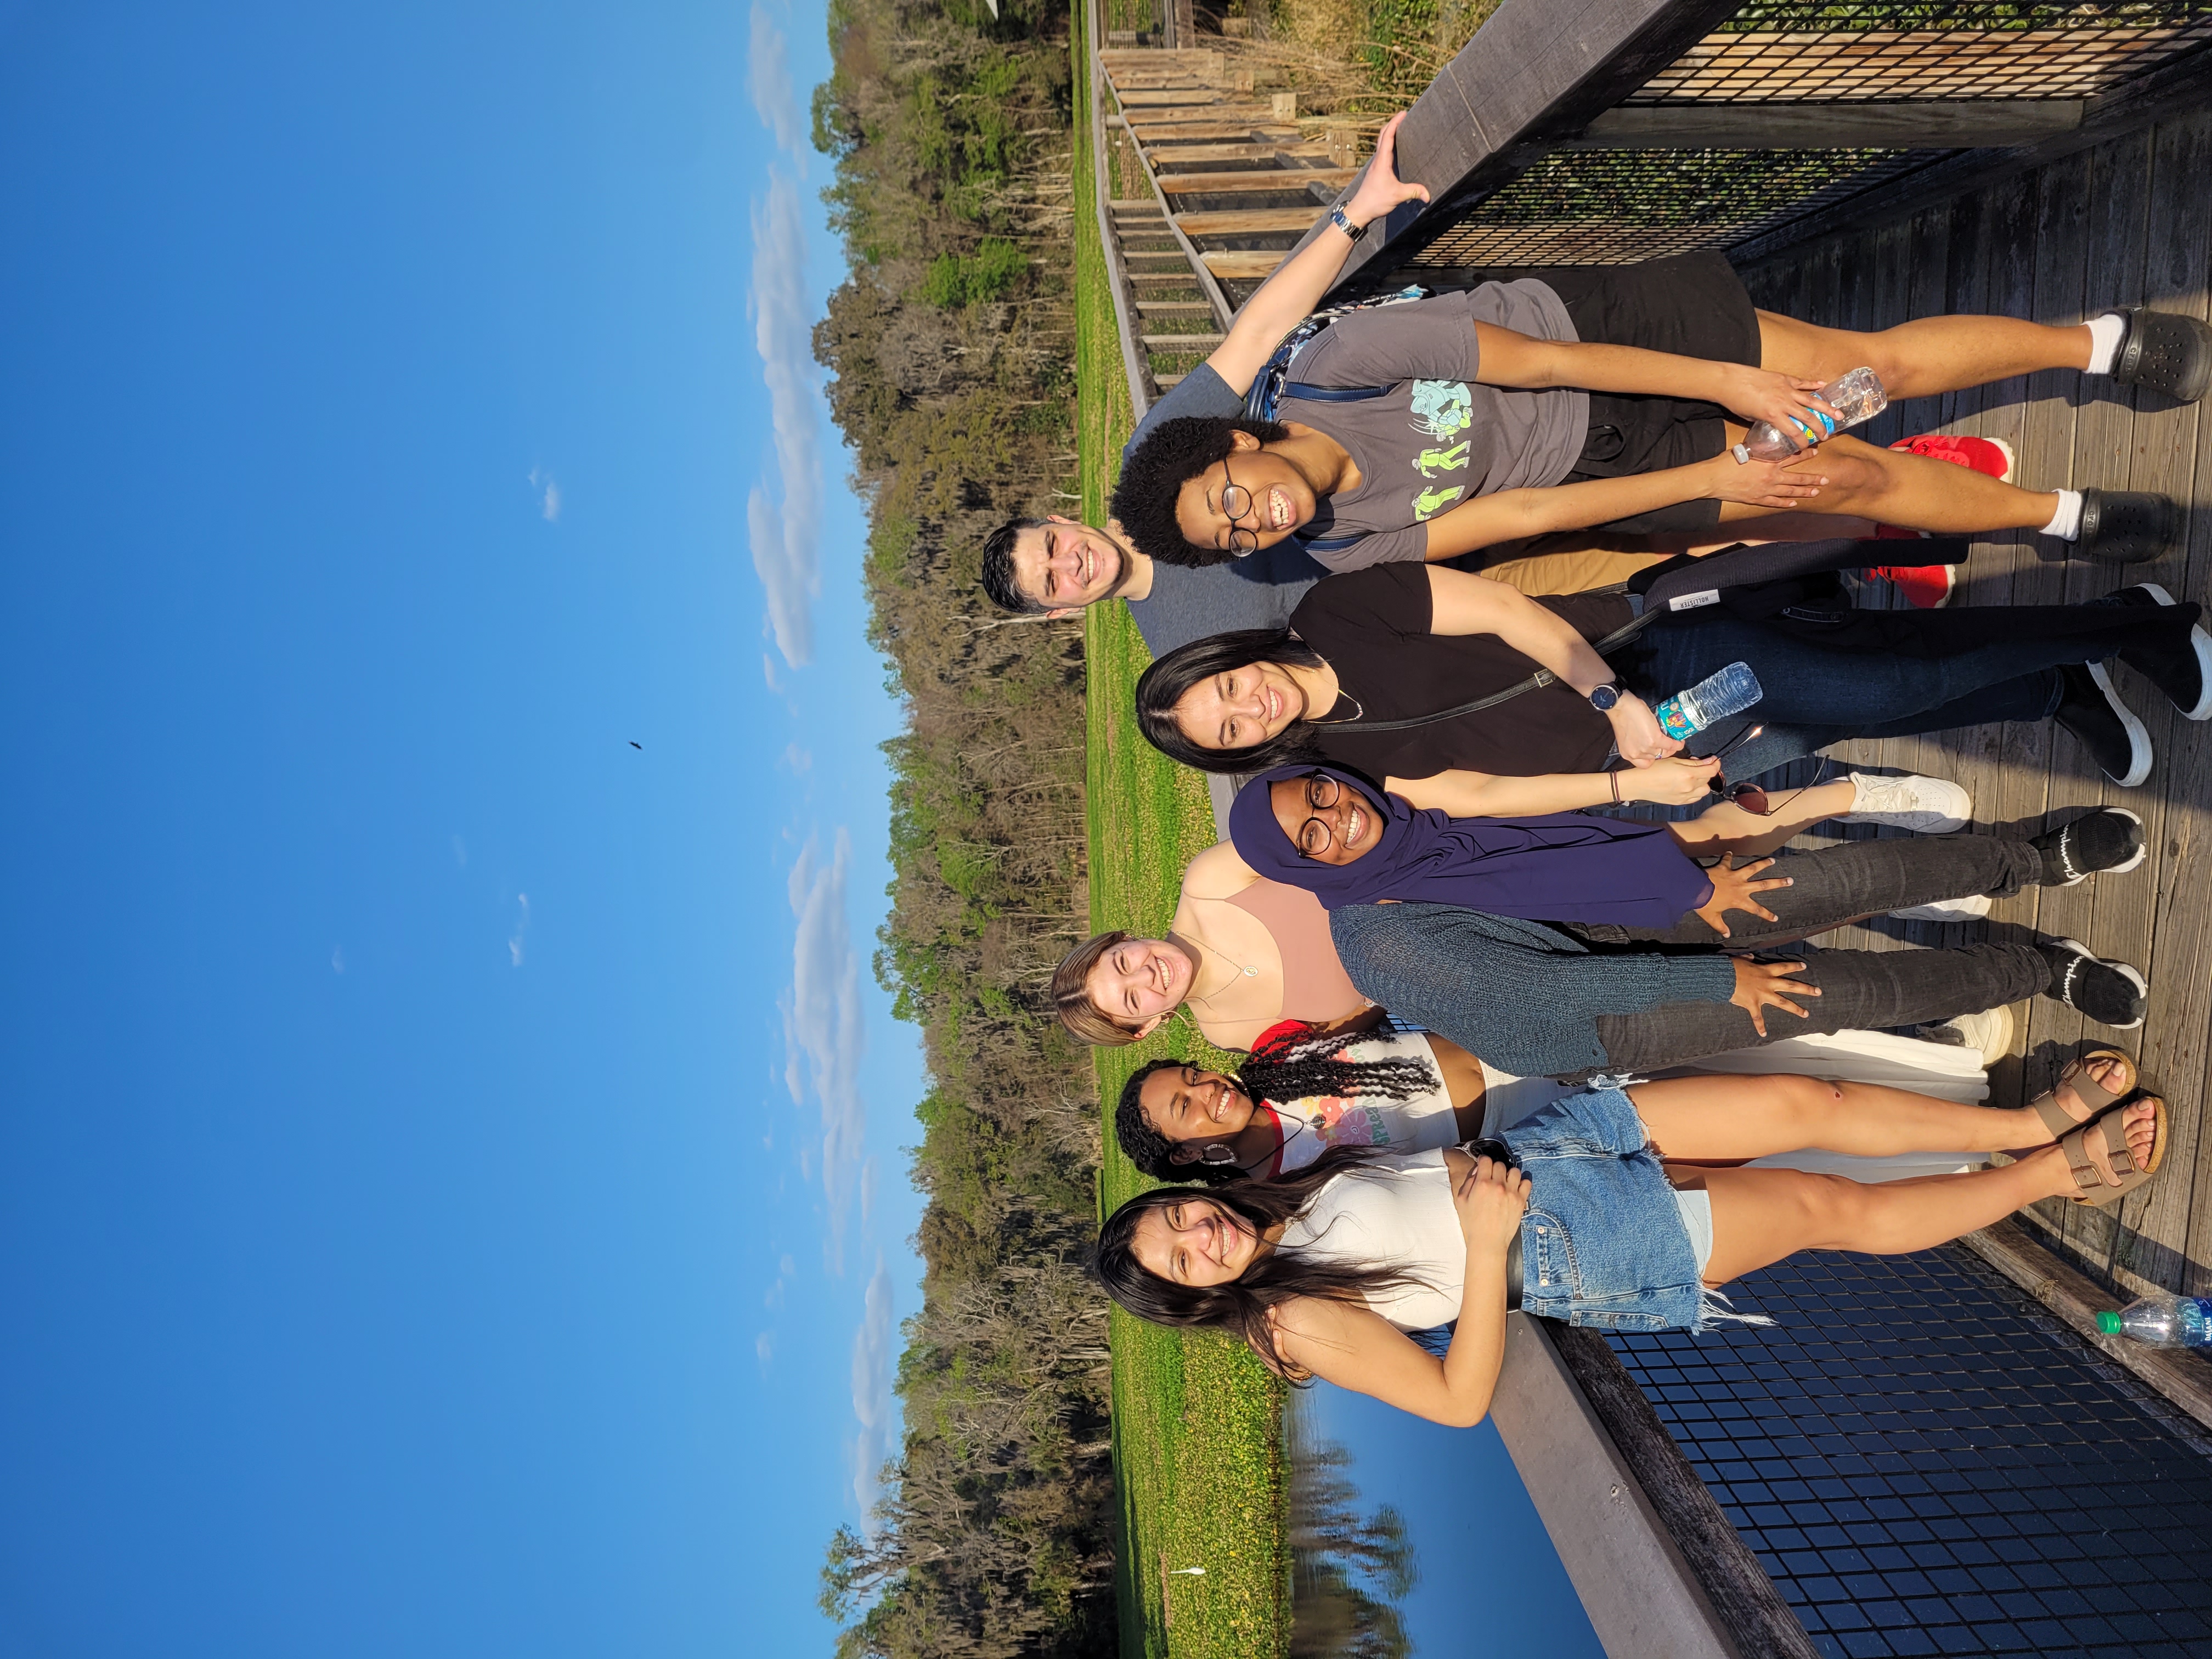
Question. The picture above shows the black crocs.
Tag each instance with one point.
(2166, 353)
(2124, 526)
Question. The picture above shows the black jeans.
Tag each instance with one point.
(1867, 990)
(1835, 884)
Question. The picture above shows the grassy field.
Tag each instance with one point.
(1197, 1422)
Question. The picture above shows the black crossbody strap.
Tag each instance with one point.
(1536, 682)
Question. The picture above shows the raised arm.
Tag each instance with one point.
(1289, 296)
(1510, 515)
(1512, 359)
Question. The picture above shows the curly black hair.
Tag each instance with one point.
(1297, 1065)
(999, 567)
(1165, 684)
(1176, 452)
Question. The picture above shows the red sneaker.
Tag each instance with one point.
(1991, 457)
(1928, 587)
(1925, 586)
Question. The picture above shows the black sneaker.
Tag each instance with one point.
(2181, 669)
(2166, 353)
(2108, 727)
(2125, 526)
(2108, 842)
(2111, 992)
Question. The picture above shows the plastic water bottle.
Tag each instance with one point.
(1731, 691)
(2163, 1322)
(1855, 396)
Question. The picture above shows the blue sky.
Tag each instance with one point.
(451, 1198)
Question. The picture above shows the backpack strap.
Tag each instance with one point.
(1331, 394)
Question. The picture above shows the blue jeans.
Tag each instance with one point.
(1815, 697)
(1602, 1240)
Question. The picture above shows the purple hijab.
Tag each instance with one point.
(1564, 867)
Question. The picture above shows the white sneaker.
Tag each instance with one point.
(1989, 1033)
(1929, 806)
(1971, 908)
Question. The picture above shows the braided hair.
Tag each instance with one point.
(1297, 1064)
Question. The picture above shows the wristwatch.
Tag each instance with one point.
(1337, 217)
(1602, 698)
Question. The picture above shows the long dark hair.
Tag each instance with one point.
(1173, 454)
(1243, 1305)
(1296, 1066)
(1165, 682)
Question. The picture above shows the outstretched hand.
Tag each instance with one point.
(1381, 189)
(1733, 890)
(1678, 781)
(1762, 985)
(1767, 483)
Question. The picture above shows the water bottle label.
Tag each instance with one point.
(1672, 722)
(1691, 601)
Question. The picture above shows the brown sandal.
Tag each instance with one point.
(2092, 1094)
(2095, 1189)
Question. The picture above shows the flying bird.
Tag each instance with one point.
(635, 744)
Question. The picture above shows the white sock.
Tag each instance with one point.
(2066, 522)
(2105, 333)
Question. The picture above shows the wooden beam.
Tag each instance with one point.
(1254, 131)
(1243, 264)
(1252, 222)
(1194, 183)
(1143, 121)
(1966, 123)
(1177, 156)
(1181, 342)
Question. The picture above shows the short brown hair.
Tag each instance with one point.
(1071, 994)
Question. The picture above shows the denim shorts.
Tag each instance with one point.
(1603, 1242)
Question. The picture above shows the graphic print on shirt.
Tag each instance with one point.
(1337, 1122)
(1442, 409)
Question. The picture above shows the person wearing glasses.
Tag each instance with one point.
(1586, 956)
(1460, 693)
(1612, 396)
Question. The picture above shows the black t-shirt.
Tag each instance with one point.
(1372, 627)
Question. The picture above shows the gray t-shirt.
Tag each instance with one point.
(1259, 592)
(1439, 437)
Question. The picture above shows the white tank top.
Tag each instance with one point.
(1310, 1126)
(1396, 1213)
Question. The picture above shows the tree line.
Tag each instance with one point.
(950, 344)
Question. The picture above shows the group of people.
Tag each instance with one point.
(1419, 573)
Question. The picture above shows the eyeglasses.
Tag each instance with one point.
(1236, 502)
(1314, 837)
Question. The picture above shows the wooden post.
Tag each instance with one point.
(1658, 1567)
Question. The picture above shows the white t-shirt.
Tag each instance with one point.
(1310, 1126)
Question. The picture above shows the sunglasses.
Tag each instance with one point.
(1749, 796)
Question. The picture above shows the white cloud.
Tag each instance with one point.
(460, 853)
(764, 1348)
(550, 501)
(822, 1028)
(871, 1390)
(768, 76)
(521, 926)
(337, 959)
(785, 537)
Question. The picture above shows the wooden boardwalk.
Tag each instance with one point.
(2128, 222)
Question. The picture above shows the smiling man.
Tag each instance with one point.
(1055, 566)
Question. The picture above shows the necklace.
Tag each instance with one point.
(1246, 969)
(1349, 720)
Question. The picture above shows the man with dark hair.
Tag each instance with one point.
(1055, 566)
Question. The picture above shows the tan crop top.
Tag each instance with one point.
(1315, 985)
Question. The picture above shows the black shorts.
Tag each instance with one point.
(1694, 306)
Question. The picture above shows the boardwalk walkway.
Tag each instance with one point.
(2128, 222)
